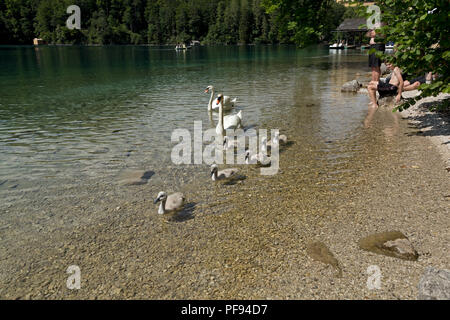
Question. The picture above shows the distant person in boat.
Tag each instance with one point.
(376, 43)
(393, 87)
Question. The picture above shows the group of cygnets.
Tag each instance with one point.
(176, 201)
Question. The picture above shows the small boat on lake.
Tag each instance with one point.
(337, 46)
(182, 47)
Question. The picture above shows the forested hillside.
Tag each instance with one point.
(165, 21)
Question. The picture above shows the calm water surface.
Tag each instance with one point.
(75, 116)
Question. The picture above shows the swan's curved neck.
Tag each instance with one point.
(162, 207)
(220, 129)
(276, 139)
(264, 146)
(214, 176)
(211, 100)
(221, 113)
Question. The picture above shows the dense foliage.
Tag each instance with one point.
(306, 21)
(420, 30)
(169, 21)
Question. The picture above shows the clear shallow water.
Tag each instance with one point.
(71, 114)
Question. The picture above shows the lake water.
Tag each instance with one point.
(76, 121)
(73, 119)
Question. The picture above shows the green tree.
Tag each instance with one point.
(420, 30)
(245, 22)
(163, 21)
(304, 21)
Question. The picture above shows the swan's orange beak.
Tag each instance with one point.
(206, 90)
(218, 100)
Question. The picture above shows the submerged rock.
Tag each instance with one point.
(100, 150)
(318, 251)
(391, 243)
(388, 101)
(351, 86)
(434, 285)
(135, 177)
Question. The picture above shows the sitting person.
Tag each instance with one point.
(394, 86)
(416, 82)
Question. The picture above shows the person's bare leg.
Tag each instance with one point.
(370, 113)
(410, 87)
(376, 72)
(372, 89)
(373, 85)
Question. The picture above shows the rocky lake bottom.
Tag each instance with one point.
(85, 149)
(254, 241)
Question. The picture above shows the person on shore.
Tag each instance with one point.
(377, 45)
(393, 87)
(415, 83)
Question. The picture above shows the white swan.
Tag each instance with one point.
(265, 146)
(259, 158)
(276, 141)
(279, 139)
(169, 203)
(228, 104)
(232, 121)
(224, 174)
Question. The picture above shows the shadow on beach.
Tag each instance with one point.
(186, 214)
(429, 123)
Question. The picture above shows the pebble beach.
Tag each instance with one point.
(253, 244)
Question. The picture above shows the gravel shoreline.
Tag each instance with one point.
(434, 125)
(252, 242)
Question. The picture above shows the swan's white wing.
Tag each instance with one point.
(227, 173)
(232, 121)
(226, 106)
(175, 201)
(228, 103)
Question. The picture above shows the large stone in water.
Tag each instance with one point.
(434, 285)
(135, 177)
(318, 251)
(391, 243)
(351, 86)
(411, 94)
(389, 101)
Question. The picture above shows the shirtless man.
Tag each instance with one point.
(394, 87)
